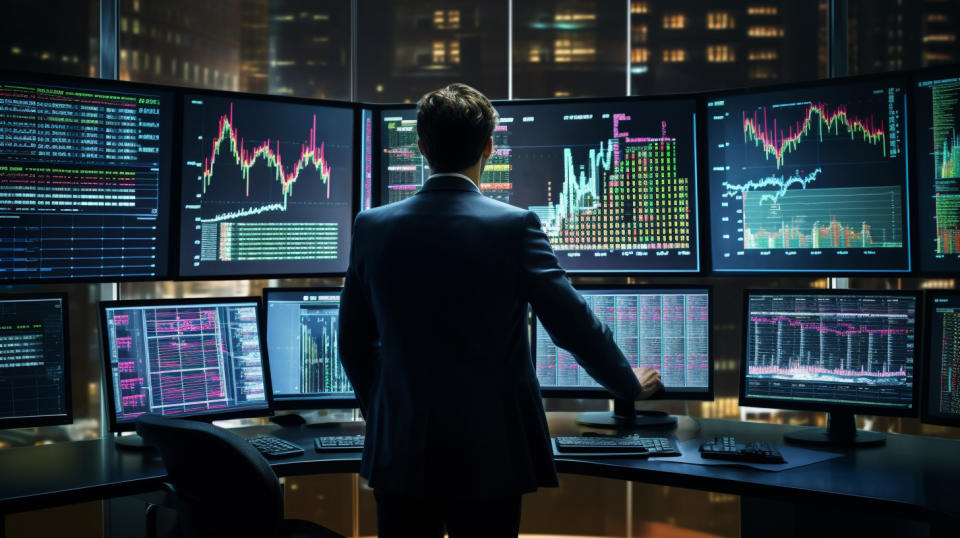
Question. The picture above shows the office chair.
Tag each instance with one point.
(222, 485)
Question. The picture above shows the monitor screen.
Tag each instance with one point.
(613, 182)
(302, 327)
(185, 358)
(820, 350)
(664, 329)
(84, 180)
(809, 179)
(938, 169)
(267, 187)
(34, 366)
(942, 391)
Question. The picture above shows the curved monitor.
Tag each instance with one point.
(84, 179)
(830, 350)
(190, 358)
(267, 186)
(34, 361)
(810, 179)
(614, 181)
(941, 371)
(302, 339)
(665, 328)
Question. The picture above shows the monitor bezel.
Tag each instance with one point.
(829, 407)
(602, 393)
(900, 79)
(182, 94)
(926, 396)
(48, 420)
(334, 400)
(699, 190)
(106, 383)
(171, 93)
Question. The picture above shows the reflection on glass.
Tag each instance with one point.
(73, 49)
(890, 35)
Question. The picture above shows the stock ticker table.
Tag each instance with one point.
(911, 479)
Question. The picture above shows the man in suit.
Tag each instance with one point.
(433, 337)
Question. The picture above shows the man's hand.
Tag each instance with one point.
(649, 380)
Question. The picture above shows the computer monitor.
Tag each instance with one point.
(810, 179)
(302, 339)
(940, 397)
(34, 361)
(192, 358)
(84, 179)
(937, 136)
(267, 187)
(838, 351)
(614, 182)
(665, 328)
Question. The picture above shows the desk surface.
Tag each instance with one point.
(910, 475)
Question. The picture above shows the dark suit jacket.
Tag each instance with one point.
(433, 337)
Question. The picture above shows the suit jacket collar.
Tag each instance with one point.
(449, 182)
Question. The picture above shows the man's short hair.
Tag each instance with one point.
(454, 124)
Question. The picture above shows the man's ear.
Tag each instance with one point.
(488, 149)
(420, 146)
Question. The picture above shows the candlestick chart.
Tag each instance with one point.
(826, 347)
(809, 179)
(267, 187)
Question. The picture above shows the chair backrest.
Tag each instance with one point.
(225, 487)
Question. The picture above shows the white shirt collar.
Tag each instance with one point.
(452, 174)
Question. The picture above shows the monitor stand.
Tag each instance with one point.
(841, 430)
(626, 415)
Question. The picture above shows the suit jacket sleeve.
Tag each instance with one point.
(567, 317)
(358, 337)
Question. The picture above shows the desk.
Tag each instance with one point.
(910, 476)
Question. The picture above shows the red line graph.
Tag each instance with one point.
(777, 140)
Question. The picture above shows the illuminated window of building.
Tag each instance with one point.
(15, 50)
(454, 47)
(759, 55)
(136, 6)
(124, 25)
(439, 52)
(124, 58)
(570, 50)
(674, 21)
(572, 16)
(762, 10)
(640, 55)
(146, 61)
(719, 20)
(453, 19)
(937, 17)
(939, 38)
(186, 71)
(157, 66)
(534, 55)
(765, 31)
(672, 56)
(640, 33)
(930, 57)
(561, 93)
(439, 21)
(321, 17)
(638, 7)
(196, 73)
(720, 54)
(136, 26)
(206, 76)
(762, 73)
(135, 60)
(173, 67)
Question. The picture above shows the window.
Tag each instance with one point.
(674, 55)
(762, 10)
(719, 20)
(720, 54)
(640, 55)
(765, 31)
(674, 21)
(762, 55)
(886, 35)
(638, 7)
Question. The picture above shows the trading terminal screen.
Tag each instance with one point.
(810, 179)
(835, 349)
(614, 183)
(84, 181)
(192, 359)
(33, 355)
(267, 187)
(667, 330)
(302, 328)
(943, 351)
(938, 167)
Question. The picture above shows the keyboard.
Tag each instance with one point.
(275, 447)
(338, 443)
(726, 448)
(632, 444)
